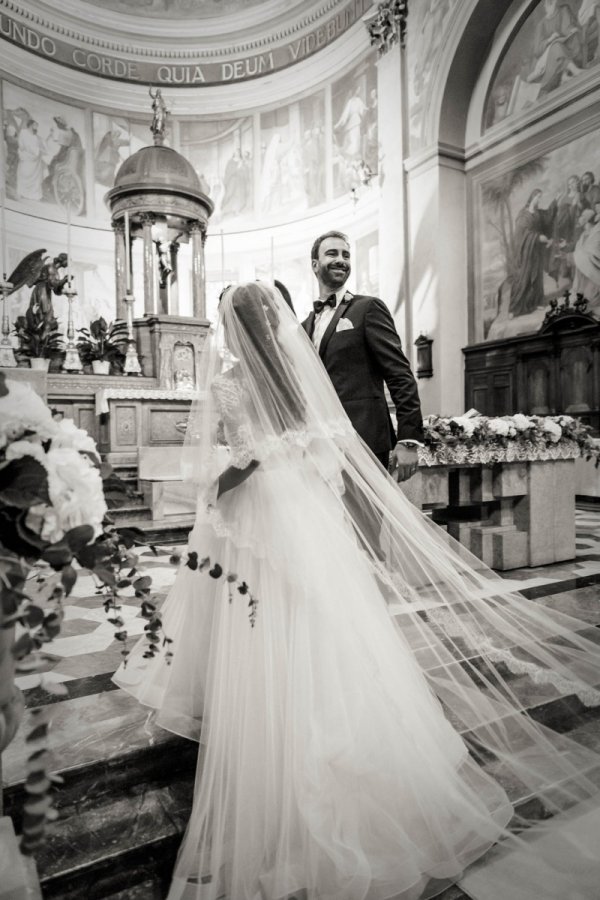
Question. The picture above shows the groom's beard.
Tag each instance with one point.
(334, 276)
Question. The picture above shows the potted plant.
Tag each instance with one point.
(39, 337)
(103, 346)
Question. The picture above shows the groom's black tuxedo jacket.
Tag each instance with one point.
(359, 360)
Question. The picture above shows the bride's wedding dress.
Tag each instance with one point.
(345, 733)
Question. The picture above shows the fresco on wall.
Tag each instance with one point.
(44, 149)
(176, 9)
(282, 184)
(222, 155)
(354, 112)
(312, 147)
(366, 265)
(427, 31)
(115, 138)
(540, 235)
(558, 42)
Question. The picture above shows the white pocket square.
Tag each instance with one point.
(344, 325)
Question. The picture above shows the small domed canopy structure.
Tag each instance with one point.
(157, 196)
(157, 166)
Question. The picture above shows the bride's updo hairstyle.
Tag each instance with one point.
(252, 335)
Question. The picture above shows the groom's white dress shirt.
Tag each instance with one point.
(323, 318)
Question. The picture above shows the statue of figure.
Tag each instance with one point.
(48, 283)
(159, 116)
(165, 266)
(38, 271)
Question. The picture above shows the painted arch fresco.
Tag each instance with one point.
(558, 42)
(539, 214)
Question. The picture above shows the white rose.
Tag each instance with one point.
(23, 410)
(68, 435)
(498, 426)
(521, 422)
(76, 493)
(19, 449)
(552, 429)
(467, 424)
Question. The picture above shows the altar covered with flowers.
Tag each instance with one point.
(503, 486)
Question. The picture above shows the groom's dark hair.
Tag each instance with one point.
(314, 253)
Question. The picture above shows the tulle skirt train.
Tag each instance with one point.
(327, 768)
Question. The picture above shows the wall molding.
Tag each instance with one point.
(126, 59)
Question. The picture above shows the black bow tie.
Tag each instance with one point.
(319, 305)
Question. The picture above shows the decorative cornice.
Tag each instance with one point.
(387, 26)
(213, 65)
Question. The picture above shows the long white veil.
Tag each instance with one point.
(266, 393)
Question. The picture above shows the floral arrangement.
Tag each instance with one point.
(55, 496)
(38, 335)
(473, 438)
(103, 341)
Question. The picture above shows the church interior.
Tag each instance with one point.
(155, 152)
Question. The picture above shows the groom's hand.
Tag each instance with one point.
(404, 461)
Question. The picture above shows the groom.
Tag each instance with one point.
(358, 343)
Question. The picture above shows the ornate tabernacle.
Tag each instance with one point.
(157, 197)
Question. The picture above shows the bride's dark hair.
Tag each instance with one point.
(255, 309)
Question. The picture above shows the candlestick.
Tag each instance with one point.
(3, 251)
(72, 360)
(69, 244)
(127, 259)
(132, 363)
(222, 259)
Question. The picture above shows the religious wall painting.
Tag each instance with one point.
(282, 184)
(539, 236)
(44, 149)
(312, 148)
(115, 138)
(558, 42)
(426, 35)
(221, 152)
(354, 120)
(366, 265)
(112, 146)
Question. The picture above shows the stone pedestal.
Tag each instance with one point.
(159, 474)
(509, 514)
(169, 348)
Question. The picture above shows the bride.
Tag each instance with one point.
(360, 733)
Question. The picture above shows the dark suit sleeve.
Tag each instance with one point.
(385, 346)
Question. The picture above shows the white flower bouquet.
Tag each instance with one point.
(473, 438)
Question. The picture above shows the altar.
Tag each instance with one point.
(508, 514)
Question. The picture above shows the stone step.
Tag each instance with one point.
(131, 514)
(121, 819)
(120, 823)
(174, 530)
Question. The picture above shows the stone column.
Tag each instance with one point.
(198, 271)
(150, 304)
(387, 30)
(120, 286)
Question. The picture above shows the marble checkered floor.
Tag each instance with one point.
(119, 767)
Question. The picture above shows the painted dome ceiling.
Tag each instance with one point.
(184, 43)
(179, 9)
